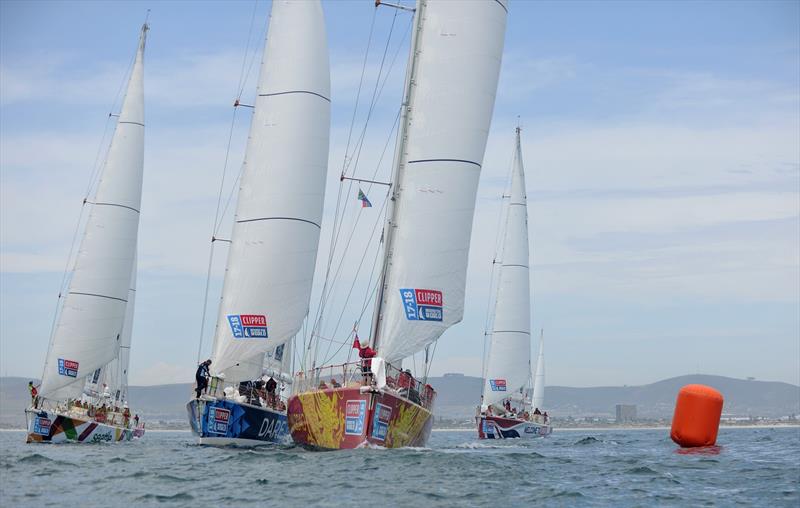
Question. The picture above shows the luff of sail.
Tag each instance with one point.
(538, 381)
(275, 237)
(87, 334)
(508, 367)
(451, 100)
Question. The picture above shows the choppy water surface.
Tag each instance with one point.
(584, 468)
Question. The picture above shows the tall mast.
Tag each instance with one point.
(400, 157)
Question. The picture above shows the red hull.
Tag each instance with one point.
(345, 418)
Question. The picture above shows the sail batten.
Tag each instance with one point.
(451, 95)
(87, 334)
(275, 238)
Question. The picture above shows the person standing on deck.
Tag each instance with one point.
(201, 377)
(366, 354)
(34, 394)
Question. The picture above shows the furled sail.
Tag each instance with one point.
(88, 332)
(273, 250)
(450, 104)
(538, 381)
(508, 367)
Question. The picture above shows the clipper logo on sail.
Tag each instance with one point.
(67, 368)
(248, 326)
(498, 385)
(422, 304)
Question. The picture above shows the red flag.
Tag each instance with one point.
(357, 343)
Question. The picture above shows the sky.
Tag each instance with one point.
(661, 143)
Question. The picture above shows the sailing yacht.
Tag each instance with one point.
(449, 92)
(83, 394)
(506, 411)
(273, 249)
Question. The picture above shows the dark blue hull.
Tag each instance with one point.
(223, 422)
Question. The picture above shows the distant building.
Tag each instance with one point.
(626, 413)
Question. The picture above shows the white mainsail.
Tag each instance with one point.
(273, 250)
(538, 380)
(450, 99)
(508, 367)
(88, 332)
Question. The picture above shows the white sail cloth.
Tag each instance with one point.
(538, 381)
(87, 335)
(275, 238)
(508, 367)
(113, 377)
(450, 110)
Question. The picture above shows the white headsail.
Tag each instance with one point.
(115, 374)
(450, 102)
(538, 381)
(508, 367)
(88, 332)
(275, 237)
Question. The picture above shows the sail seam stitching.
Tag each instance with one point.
(100, 296)
(134, 123)
(521, 266)
(280, 218)
(294, 91)
(511, 331)
(501, 5)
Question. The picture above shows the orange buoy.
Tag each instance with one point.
(696, 419)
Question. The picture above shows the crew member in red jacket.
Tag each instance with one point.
(366, 354)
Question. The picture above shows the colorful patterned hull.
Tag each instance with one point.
(344, 418)
(496, 427)
(51, 427)
(222, 422)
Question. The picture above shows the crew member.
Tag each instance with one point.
(271, 386)
(201, 377)
(366, 354)
(34, 394)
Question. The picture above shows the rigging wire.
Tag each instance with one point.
(217, 216)
(334, 235)
(330, 283)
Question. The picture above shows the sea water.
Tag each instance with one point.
(750, 467)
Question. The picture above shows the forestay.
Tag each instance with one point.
(508, 367)
(275, 237)
(451, 99)
(87, 334)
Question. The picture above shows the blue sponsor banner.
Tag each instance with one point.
(248, 326)
(422, 304)
(67, 368)
(355, 412)
(380, 423)
(497, 385)
(41, 426)
(218, 419)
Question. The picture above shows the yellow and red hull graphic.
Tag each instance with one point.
(344, 418)
(52, 427)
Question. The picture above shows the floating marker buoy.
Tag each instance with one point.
(697, 413)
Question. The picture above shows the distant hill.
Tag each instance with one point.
(458, 396)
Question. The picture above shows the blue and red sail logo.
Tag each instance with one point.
(67, 368)
(248, 326)
(422, 304)
(497, 385)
